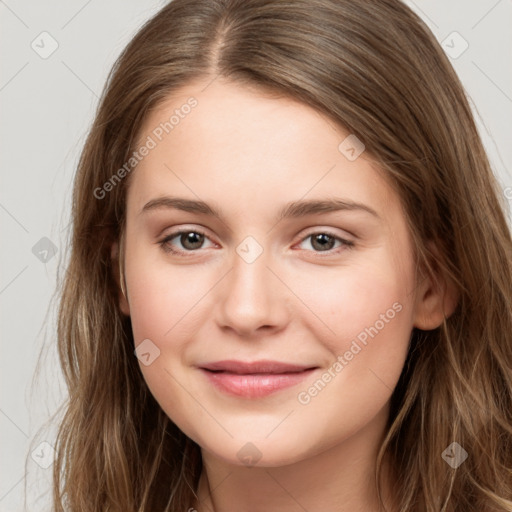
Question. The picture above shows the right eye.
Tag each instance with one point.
(190, 239)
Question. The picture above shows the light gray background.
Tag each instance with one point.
(47, 105)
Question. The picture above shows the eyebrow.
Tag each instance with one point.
(294, 209)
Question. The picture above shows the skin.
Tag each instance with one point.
(248, 154)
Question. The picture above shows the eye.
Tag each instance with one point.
(190, 241)
(322, 241)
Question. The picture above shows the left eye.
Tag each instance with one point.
(191, 241)
(324, 242)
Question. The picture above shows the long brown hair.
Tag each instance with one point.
(376, 70)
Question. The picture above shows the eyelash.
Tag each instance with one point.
(166, 247)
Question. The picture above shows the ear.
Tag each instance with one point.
(124, 306)
(437, 297)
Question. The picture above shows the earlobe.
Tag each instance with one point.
(437, 297)
(124, 306)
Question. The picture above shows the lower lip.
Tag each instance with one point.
(254, 385)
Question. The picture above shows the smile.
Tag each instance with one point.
(256, 379)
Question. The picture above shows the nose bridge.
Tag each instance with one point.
(251, 294)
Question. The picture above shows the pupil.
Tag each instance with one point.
(321, 239)
(192, 238)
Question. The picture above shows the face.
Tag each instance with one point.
(254, 234)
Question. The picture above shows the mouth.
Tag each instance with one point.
(254, 379)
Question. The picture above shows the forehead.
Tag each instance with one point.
(237, 145)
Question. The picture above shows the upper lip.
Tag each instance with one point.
(262, 366)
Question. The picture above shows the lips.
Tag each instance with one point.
(255, 367)
(254, 379)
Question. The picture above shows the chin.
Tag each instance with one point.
(275, 451)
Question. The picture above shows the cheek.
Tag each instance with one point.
(369, 314)
(168, 306)
(165, 309)
(358, 302)
(372, 322)
(162, 297)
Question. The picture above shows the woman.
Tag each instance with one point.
(267, 375)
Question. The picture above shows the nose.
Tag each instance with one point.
(252, 300)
